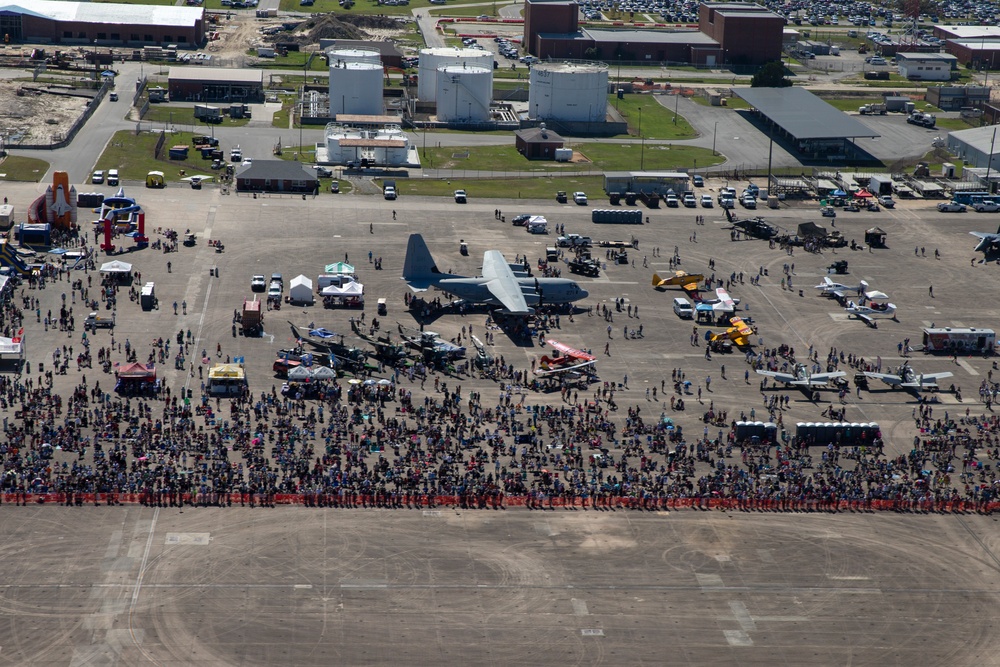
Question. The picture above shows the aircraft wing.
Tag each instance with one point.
(570, 351)
(987, 240)
(726, 303)
(826, 284)
(927, 380)
(502, 284)
(823, 378)
(787, 378)
(890, 379)
(564, 369)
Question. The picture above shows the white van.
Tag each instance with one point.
(683, 308)
(112, 177)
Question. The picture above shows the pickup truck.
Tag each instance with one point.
(986, 206)
(886, 201)
(96, 320)
(573, 241)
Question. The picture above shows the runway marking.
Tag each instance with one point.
(363, 586)
(782, 619)
(737, 638)
(968, 367)
(198, 539)
(848, 578)
(579, 607)
(742, 616)
(708, 580)
(432, 513)
(592, 632)
(766, 555)
(722, 558)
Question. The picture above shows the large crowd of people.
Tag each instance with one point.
(417, 439)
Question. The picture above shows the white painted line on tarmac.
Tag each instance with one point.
(742, 616)
(737, 638)
(968, 367)
(708, 580)
(579, 607)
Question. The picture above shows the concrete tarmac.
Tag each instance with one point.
(131, 585)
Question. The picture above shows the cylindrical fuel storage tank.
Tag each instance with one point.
(433, 59)
(351, 55)
(356, 88)
(568, 92)
(464, 93)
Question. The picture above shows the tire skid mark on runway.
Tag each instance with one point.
(992, 556)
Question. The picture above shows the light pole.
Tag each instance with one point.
(642, 144)
(677, 105)
(715, 133)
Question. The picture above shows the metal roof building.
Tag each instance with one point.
(215, 84)
(60, 22)
(815, 128)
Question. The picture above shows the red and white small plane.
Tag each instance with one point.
(570, 359)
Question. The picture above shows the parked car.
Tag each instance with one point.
(580, 198)
(98, 177)
(951, 207)
(689, 200)
(112, 177)
(258, 283)
(706, 201)
(698, 181)
(986, 206)
(323, 172)
(460, 197)
(519, 220)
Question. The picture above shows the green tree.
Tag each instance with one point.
(771, 75)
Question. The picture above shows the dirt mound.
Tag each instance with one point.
(341, 27)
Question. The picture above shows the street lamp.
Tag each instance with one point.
(642, 144)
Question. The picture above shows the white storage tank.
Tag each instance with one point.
(464, 93)
(431, 60)
(356, 88)
(347, 55)
(568, 92)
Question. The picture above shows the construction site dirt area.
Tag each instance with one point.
(31, 115)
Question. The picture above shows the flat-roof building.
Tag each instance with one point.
(215, 84)
(976, 146)
(108, 24)
(926, 66)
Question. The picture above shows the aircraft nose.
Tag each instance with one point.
(584, 293)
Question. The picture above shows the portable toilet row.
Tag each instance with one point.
(847, 433)
(616, 216)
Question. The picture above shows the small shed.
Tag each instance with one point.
(875, 237)
(301, 290)
(538, 143)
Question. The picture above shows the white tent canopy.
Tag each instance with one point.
(117, 266)
(303, 373)
(301, 290)
(349, 289)
(340, 268)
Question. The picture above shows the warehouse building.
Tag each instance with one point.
(215, 84)
(927, 66)
(976, 146)
(107, 24)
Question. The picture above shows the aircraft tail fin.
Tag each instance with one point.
(998, 230)
(418, 264)
(657, 280)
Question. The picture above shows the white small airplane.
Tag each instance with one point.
(907, 378)
(874, 308)
(722, 303)
(801, 377)
(830, 287)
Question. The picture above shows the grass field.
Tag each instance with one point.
(602, 156)
(657, 120)
(295, 60)
(20, 168)
(281, 118)
(535, 188)
(185, 116)
(132, 156)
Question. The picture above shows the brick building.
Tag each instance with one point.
(732, 32)
(215, 84)
(107, 24)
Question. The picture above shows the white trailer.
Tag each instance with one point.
(960, 340)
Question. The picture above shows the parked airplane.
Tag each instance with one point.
(906, 377)
(830, 287)
(801, 377)
(497, 286)
(739, 333)
(571, 359)
(872, 309)
(988, 242)
(681, 278)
